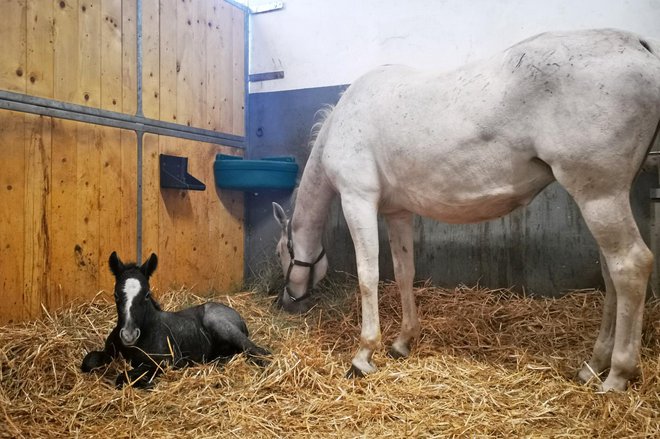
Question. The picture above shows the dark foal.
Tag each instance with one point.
(150, 338)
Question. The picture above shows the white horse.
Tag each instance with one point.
(581, 108)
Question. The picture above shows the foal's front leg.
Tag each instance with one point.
(400, 229)
(96, 359)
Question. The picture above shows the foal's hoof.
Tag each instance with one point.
(259, 356)
(95, 360)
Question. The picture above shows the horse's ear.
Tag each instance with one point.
(279, 215)
(116, 265)
(150, 265)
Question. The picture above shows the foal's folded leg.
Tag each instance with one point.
(141, 377)
(96, 359)
(226, 332)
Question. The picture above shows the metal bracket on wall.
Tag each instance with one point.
(174, 174)
(266, 76)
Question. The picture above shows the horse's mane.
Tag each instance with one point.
(320, 117)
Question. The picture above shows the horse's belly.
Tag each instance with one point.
(469, 199)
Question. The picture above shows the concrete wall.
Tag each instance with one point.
(323, 46)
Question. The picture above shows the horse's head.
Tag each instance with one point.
(132, 296)
(300, 275)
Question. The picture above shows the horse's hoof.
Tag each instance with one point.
(354, 372)
(396, 354)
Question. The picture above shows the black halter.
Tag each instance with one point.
(294, 261)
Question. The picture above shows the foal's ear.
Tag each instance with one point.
(116, 265)
(279, 215)
(149, 266)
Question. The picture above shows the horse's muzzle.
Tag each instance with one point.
(129, 336)
(285, 303)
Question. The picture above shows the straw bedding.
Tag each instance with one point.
(488, 363)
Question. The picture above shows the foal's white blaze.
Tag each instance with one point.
(132, 288)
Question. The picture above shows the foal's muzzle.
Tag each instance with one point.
(129, 336)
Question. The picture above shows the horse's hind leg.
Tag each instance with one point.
(602, 353)
(400, 229)
(629, 263)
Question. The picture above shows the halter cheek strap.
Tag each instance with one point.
(293, 262)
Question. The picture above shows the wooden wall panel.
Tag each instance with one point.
(13, 35)
(70, 188)
(200, 64)
(12, 200)
(72, 192)
(197, 235)
(111, 55)
(36, 271)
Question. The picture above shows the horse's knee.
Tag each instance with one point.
(94, 360)
(634, 264)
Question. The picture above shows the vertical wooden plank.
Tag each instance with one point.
(129, 58)
(214, 46)
(40, 37)
(111, 55)
(168, 60)
(63, 212)
(128, 237)
(151, 202)
(151, 59)
(37, 213)
(225, 78)
(199, 85)
(185, 53)
(13, 45)
(66, 56)
(89, 28)
(86, 223)
(168, 211)
(12, 217)
(238, 86)
(110, 203)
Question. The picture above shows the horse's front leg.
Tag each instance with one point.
(96, 359)
(361, 217)
(400, 229)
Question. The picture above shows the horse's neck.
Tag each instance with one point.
(311, 209)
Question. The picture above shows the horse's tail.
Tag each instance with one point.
(320, 118)
(653, 155)
(651, 45)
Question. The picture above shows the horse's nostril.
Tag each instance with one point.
(129, 337)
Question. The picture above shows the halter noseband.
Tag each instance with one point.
(294, 261)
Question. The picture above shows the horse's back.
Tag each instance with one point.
(476, 142)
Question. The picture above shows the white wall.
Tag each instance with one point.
(330, 42)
